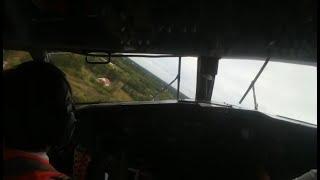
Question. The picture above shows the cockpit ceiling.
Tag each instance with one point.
(252, 28)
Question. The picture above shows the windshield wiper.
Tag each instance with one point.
(252, 85)
(168, 85)
(164, 88)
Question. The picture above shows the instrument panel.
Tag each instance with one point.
(180, 141)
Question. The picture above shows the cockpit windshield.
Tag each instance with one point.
(283, 89)
(287, 90)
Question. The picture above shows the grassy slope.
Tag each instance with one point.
(14, 58)
(129, 81)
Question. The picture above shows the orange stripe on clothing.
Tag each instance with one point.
(13, 153)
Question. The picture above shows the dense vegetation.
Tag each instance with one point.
(129, 81)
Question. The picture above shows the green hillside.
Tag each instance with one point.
(129, 81)
(13, 58)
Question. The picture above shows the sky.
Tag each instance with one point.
(282, 89)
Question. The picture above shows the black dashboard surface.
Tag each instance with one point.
(189, 141)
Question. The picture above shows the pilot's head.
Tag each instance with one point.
(38, 109)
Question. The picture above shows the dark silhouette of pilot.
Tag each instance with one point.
(38, 115)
